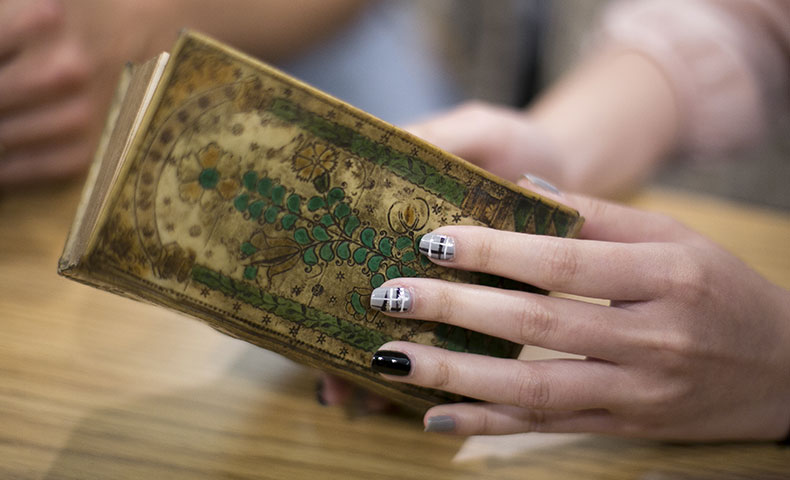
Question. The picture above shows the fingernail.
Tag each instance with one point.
(391, 299)
(391, 363)
(440, 423)
(438, 247)
(540, 183)
(319, 393)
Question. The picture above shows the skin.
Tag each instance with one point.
(60, 61)
(693, 346)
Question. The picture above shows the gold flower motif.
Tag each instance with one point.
(314, 160)
(209, 176)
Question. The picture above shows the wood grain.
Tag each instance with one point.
(97, 386)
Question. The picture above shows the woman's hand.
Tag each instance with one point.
(59, 62)
(695, 345)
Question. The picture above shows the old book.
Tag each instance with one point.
(230, 192)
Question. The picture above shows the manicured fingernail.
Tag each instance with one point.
(391, 363)
(437, 247)
(540, 183)
(391, 299)
(440, 423)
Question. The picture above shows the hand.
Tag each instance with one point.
(59, 63)
(501, 140)
(694, 345)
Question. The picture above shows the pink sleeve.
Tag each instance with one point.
(728, 62)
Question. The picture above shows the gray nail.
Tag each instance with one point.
(440, 423)
(540, 183)
(438, 247)
(391, 299)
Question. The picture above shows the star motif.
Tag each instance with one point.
(343, 352)
(204, 292)
(236, 307)
(388, 183)
(456, 218)
(437, 209)
(296, 290)
(266, 320)
(414, 151)
(370, 208)
(359, 124)
(254, 146)
(293, 331)
(321, 339)
(380, 324)
(340, 276)
(332, 299)
(349, 163)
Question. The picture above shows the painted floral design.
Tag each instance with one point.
(209, 176)
(314, 160)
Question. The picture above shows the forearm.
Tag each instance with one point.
(612, 119)
(271, 30)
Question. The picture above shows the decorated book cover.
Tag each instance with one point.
(270, 211)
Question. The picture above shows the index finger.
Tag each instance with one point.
(614, 271)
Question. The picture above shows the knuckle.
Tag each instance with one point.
(484, 258)
(537, 324)
(535, 421)
(443, 374)
(446, 306)
(532, 390)
(560, 263)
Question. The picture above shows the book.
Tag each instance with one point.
(228, 191)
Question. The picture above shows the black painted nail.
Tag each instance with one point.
(391, 363)
(440, 423)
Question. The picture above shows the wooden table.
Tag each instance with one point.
(97, 386)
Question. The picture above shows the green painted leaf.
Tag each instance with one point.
(250, 272)
(301, 236)
(278, 193)
(408, 257)
(409, 272)
(360, 254)
(402, 242)
(271, 214)
(334, 196)
(319, 233)
(256, 208)
(309, 256)
(375, 262)
(343, 250)
(352, 222)
(321, 182)
(249, 180)
(248, 249)
(393, 272)
(265, 187)
(288, 221)
(376, 280)
(326, 252)
(385, 246)
(315, 203)
(367, 236)
(327, 220)
(356, 303)
(342, 210)
(241, 202)
(293, 203)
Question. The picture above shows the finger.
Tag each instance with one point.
(46, 163)
(22, 21)
(69, 117)
(39, 75)
(612, 222)
(559, 384)
(615, 271)
(497, 419)
(556, 323)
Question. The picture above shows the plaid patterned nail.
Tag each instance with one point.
(391, 299)
(438, 247)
